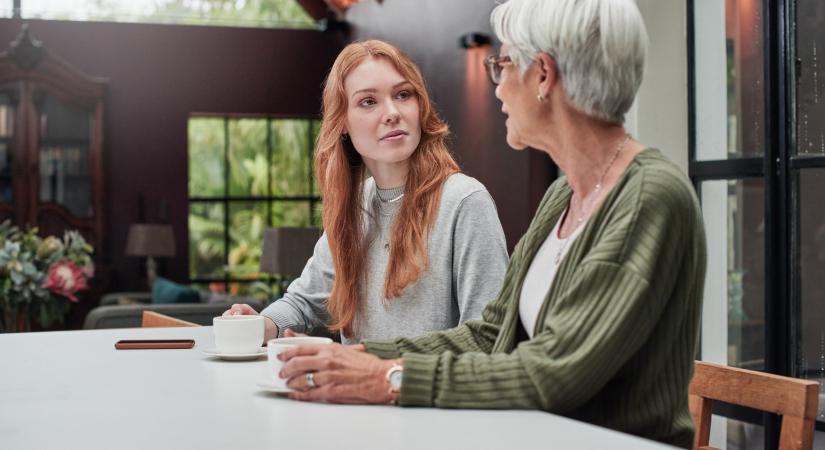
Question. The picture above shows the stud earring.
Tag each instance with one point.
(540, 98)
(344, 137)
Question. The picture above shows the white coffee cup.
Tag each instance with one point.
(238, 334)
(276, 346)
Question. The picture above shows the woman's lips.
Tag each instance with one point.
(394, 136)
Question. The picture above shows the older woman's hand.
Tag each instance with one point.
(341, 374)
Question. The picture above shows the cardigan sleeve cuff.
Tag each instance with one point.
(382, 349)
(418, 384)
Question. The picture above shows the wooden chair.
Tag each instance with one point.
(152, 319)
(794, 399)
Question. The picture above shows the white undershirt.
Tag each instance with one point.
(540, 275)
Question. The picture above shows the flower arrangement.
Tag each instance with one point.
(39, 277)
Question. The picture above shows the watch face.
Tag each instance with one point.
(395, 379)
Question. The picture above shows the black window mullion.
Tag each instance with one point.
(779, 353)
(806, 162)
(727, 169)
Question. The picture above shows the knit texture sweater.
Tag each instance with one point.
(616, 336)
(461, 277)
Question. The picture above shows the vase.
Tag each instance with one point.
(16, 319)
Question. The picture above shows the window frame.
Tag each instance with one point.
(781, 171)
(227, 200)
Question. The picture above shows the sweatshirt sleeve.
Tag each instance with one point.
(479, 255)
(304, 305)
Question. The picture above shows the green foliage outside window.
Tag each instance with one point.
(246, 174)
(236, 13)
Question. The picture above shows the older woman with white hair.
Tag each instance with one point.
(598, 316)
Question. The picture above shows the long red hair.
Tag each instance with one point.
(340, 172)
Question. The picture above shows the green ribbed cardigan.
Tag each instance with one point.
(616, 336)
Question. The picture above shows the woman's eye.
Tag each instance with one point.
(366, 102)
(403, 95)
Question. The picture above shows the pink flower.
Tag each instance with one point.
(65, 278)
(88, 270)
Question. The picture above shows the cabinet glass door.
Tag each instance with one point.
(65, 177)
(7, 112)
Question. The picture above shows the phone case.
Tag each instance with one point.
(154, 343)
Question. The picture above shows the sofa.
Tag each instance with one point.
(125, 309)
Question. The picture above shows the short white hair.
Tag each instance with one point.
(599, 47)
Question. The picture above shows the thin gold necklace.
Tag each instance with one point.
(594, 194)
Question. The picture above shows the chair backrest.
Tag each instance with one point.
(794, 399)
(153, 319)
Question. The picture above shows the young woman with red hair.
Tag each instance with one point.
(414, 247)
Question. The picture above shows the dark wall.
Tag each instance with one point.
(428, 30)
(160, 74)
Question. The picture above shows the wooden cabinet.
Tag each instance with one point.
(51, 143)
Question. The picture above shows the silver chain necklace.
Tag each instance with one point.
(587, 202)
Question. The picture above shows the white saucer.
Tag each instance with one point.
(234, 356)
(269, 386)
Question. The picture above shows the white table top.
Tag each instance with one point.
(73, 390)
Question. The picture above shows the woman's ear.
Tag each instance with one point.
(548, 74)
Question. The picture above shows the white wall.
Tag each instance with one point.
(660, 116)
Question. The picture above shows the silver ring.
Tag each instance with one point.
(311, 380)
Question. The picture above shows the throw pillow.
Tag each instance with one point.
(166, 291)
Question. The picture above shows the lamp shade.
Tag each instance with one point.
(150, 240)
(286, 250)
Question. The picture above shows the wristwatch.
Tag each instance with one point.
(394, 376)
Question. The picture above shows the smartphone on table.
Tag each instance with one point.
(131, 344)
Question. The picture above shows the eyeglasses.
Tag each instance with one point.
(494, 65)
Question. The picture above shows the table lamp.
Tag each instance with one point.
(152, 241)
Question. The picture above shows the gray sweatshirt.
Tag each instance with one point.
(467, 260)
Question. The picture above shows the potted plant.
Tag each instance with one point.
(39, 277)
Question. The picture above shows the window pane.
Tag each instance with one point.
(316, 129)
(810, 83)
(206, 157)
(733, 312)
(250, 13)
(811, 361)
(290, 214)
(729, 79)
(291, 150)
(743, 435)
(318, 216)
(206, 239)
(247, 157)
(247, 221)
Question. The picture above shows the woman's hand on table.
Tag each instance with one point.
(290, 333)
(242, 309)
(341, 374)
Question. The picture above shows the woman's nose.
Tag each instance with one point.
(391, 114)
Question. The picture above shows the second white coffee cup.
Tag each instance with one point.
(276, 346)
(238, 334)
